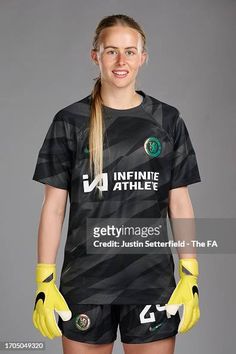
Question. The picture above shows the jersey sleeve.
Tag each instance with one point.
(184, 170)
(54, 161)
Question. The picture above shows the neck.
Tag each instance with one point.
(123, 98)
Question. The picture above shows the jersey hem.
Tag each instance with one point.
(120, 296)
(56, 185)
(185, 183)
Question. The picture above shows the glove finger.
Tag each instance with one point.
(65, 315)
(43, 325)
(176, 297)
(196, 312)
(34, 319)
(171, 309)
(39, 313)
(180, 327)
(40, 325)
(37, 321)
(40, 317)
(196, 307)
(51, 323)
(61, 307)
(186, 317)
(194, 319)
(45, 329)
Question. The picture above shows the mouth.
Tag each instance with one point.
(120, 73)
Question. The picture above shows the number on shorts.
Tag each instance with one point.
(151, 317)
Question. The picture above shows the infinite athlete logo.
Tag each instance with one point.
(152, 146)
(124, 180)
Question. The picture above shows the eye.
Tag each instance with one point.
(130, 51)
(111, 51)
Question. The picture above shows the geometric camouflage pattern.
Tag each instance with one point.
(149, 138)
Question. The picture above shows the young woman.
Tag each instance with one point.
(121, 155)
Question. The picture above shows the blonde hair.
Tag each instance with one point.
(96, 122)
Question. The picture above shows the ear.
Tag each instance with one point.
(144, 58)
(93, 55)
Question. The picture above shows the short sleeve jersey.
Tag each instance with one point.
(151, 138)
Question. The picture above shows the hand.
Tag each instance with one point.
(48, 299)
(186, 293)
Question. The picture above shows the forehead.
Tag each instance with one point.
(120, 36)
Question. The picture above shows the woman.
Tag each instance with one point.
(121, 155)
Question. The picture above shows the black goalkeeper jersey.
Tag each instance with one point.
(146, 152)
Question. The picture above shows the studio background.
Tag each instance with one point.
(45, 65)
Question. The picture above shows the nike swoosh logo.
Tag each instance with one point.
(40, 296)
(195, 290)
(86, 150)
(151, 329)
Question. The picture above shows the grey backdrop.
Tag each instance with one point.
(45, 65)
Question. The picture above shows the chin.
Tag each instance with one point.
(122, 83)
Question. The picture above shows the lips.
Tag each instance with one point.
(120, 73)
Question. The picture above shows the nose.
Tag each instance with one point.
(121, 58)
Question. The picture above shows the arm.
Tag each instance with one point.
(53, 169)
(180, 207)
(186, 292)
(51, 222)
(48, 298)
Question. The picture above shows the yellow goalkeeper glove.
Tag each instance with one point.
(48, 299)
(186, 294)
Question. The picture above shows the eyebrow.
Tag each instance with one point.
(110, 46)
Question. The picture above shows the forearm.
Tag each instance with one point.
(182, 223)
(49, 234)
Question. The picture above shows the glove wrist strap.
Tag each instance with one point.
(45, 273)
(188, 266)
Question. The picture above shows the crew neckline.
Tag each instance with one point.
(110, 109)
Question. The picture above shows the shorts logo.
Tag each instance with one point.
(152, 146)
(82, 322)
(151, 318)
(151, 329)
(86, 150)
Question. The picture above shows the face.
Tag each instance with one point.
(120, 49)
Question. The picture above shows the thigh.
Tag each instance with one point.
(75, 347)
(141, 324)
(89, 324)
(162, 346)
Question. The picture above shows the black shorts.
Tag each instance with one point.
(97, 324)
